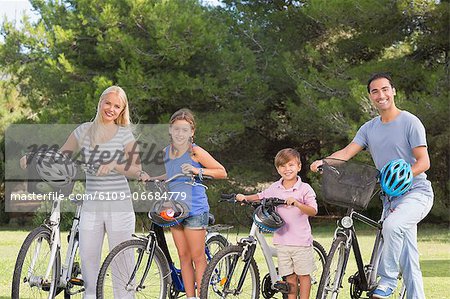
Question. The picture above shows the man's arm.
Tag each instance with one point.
(422, 160)
(345, 154)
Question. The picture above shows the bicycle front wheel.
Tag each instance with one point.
(224, 272)
(124, 268)
(31, 265)
(331, 279)
(320, 256)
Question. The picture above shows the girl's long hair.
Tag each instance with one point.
(187, 115)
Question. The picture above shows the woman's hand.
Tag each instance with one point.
(143, 176)
(105, 169)
(315, 165)
(23, 162)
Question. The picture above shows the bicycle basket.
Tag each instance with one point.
(348, 184)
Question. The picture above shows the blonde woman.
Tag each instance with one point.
(107, 207)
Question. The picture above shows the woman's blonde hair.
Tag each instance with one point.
(97, 131)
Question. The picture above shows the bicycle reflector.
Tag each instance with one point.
(396, 177)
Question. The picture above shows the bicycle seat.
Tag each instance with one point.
(211, 219)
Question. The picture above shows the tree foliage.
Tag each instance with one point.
(261, 75)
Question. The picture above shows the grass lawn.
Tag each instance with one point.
(434, 247)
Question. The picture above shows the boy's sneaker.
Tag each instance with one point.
(382, 292)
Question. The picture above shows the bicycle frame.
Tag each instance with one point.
(53, 224)
(256, 236)
(367, 273)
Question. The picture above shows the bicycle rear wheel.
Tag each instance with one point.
(124, 267)
(31, 265)
(214, 244)
(223, 272)
(333, 272)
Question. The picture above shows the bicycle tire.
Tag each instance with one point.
(215, 276)
(158, 276)
(215, 244)
(333, 272)
(20, 283)
(320, 257)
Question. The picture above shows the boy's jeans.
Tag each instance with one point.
(400, 251)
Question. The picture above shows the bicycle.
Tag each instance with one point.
(39, 254)
(143, 266)
(350, 185)
(233, 271)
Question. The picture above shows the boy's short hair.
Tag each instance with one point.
(286, 155)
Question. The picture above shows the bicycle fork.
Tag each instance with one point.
(249, 245)
(150, 249)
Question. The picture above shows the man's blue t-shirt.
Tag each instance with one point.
(394, 140)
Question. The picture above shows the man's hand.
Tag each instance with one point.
(315, 165)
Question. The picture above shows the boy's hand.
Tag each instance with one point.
(291, 201)
(240, 197)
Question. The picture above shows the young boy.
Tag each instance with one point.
(293, 241)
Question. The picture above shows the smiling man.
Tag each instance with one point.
(395, 134)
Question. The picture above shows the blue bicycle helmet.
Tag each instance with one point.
(396, 177)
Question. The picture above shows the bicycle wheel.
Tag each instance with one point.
(31, 265)
(333, 272)
(228, 262)
(320, 256)
(214, 245)
(124, 267)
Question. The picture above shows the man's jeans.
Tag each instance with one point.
(400, 251)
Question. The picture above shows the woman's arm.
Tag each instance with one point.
(132, 166)
(69, 147)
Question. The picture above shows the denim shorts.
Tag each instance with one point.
(196, 221)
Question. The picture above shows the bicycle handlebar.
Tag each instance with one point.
(193, 180)
(271, 201)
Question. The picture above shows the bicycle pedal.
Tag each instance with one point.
(46, 286)
(77, 281)
(282, 287)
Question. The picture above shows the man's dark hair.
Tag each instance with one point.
(378, 76)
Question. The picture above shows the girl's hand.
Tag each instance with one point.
(187, 168)
(315, 165)
(105, 169)
(23, 162)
